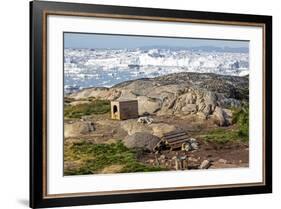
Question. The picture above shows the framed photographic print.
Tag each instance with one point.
(140, 104)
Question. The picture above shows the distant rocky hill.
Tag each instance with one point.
(179, 94)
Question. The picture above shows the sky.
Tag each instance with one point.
(99, 41)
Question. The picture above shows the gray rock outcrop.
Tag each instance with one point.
(180, 94)
(223, 117)
(77, 128)
(158, 129)
(141, 140)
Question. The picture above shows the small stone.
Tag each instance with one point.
(222, 161)
(205, 164)
(162, 157)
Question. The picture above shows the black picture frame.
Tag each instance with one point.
(38, 12)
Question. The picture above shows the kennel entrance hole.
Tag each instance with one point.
(115, 109)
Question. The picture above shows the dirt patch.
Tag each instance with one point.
(231, 155)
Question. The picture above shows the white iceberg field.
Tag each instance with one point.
(106, 67)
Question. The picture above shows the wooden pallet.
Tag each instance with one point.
(175, 139)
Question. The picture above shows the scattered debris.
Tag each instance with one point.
(190, 145)
(162, 159)
(176, 162)
(145, 120)
(186, 146)
(156, 160)
(205, 164)
(181, 162)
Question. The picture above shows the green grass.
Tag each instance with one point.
(223, 135)
(93, 158)
(238, 132)
(241, 118)
(94, 107)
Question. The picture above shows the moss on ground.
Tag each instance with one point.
(238, 132)
(95, 158)
(94, 107)
(241, 119)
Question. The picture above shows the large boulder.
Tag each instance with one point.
(132, 126)
(189, 108)
(159, 129)
(141, 140)
(77, 128)
(137, 87)
(190, 97)
(186, 103)
(127, 95)
(228, 116)
(210, 100)
(148, 105)
(223, 117)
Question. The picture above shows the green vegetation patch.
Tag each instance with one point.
(94, 107)
(241, 118)
(95, 158)
(223, 135)
(238, 132)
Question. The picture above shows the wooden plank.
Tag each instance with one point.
(173, 148)
(177, 139)
(178, 142)
(176, 146)
(173, 132)
(174, 135)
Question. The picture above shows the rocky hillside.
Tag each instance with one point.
(206, 95)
